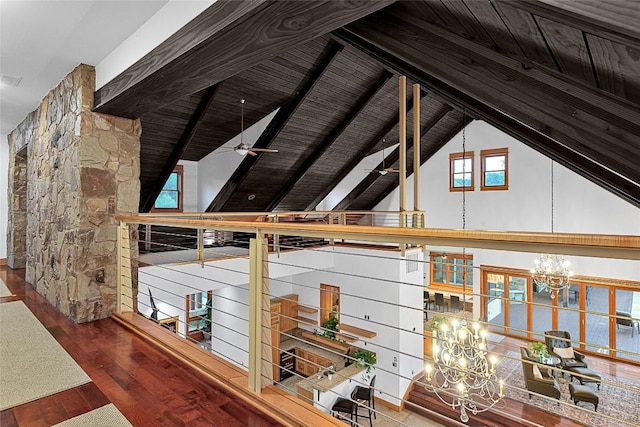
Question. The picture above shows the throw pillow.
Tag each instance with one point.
(536, 372)
(565, 353)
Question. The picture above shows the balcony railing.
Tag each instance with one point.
(260, 321)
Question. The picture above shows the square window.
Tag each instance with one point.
(494, 169)
(461, 171)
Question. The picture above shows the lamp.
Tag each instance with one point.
(463, 374)
(551, 272)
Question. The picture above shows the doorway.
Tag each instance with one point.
(329, 302)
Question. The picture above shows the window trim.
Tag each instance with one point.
(179, 169)
(458, 156)
(449, 265)
(492, 153)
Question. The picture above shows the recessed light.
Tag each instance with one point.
(6, 80)
(251, 196)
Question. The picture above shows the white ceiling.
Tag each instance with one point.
(42, 41)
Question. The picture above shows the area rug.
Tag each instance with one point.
(4, 291)
(32, 363)
(106, 416)
(618, 400)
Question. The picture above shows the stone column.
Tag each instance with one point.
(83, 170)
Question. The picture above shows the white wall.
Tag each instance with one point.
(170, 283)
(579, 205)
(216, 168)
(352, 179)
(173, 16)
(4, 183)
(189, 186)
(230, 328)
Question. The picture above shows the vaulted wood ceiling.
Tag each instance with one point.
(562, 77)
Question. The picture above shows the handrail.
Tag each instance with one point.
(594, 245)
(287, 213)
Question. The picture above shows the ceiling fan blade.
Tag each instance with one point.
(264, 150)
(251, 153)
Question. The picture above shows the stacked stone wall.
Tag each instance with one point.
(82, 170)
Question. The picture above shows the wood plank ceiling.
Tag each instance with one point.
(563, 78)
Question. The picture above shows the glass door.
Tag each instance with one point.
(627, 318)
(518, 307)
(495, 307)
(597, 319)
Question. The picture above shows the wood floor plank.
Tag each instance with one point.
(149, 387)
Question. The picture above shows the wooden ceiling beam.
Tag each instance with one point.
(357, 158)
(412, 52)
(179, 148)
(615, 20)
(330, 138)
(273, 129)
(227, 38)
(388, 161)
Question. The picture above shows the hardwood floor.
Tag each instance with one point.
(147, 386)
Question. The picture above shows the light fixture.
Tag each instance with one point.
(463, 374)
(551, 272)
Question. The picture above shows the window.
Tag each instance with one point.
(448, 269)
(461, 171)
(197, 301)
(170, 197)
(495, 170)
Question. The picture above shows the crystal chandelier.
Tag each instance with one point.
(551, 272)
(463, 374)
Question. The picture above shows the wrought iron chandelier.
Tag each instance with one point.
(551, 272)
(463, 374)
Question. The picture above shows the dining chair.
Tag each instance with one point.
(439, 302)
(455, 303)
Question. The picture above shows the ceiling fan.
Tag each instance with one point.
(384, 170)
(244, 149)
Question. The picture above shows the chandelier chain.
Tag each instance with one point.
(464, 206)
(552, 198)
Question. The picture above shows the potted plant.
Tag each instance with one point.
(329, 328)
(539, 350)
(330, 372)
(431, 332)
(206, 331)
(435, 322)
(365, 359)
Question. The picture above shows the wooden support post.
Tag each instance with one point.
(200, 245)
(331, 241)
(402, 137)
(416, 154)
(124, 283)
(260, 357)
(147, 237)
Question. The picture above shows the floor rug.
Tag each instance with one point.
(619, 401)
(32, 363)
(4, 291)
(107, 416)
